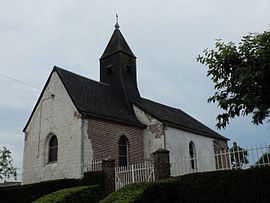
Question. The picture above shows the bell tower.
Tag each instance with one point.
(118, 67)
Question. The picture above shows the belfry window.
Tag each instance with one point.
(53, 148)
(128, 68)
(192, 155)
(109, 69)
(123, 151)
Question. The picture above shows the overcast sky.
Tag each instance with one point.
(166, 37)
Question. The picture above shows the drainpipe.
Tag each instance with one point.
(82, 145)
(40, 122)
(164, 129)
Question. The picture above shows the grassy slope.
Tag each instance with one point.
(251, 185)
(90, 194)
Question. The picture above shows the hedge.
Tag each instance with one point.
(30, 192)
(250, 185)
(83, 194)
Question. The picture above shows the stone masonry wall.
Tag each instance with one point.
(104, 136)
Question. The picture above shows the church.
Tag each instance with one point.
(77, 120)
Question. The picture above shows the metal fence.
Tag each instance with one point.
(235, 158)
(240, 158)
(95, 165)
(135, 173)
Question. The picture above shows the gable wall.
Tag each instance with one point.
(59, 116)
(177, 142)
(104, 136)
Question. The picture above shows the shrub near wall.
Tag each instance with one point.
(29, 193)
(221, 186)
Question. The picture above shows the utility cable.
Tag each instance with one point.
(19, 81)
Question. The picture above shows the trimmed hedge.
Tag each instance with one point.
(83, 194)
(31, 192)
(221, 186)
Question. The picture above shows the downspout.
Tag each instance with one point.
(82, 146)
(40, 121)
(164, 129)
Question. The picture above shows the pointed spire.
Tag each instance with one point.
(117, 43)
(116, 24)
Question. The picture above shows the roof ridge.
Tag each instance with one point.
(57, 68)
(163, 104)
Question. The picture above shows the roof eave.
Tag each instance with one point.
(205, 134)
(180, 127)
(91, 115)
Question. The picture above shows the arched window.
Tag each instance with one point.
(192, 155)
(53, 148)
(123, 151)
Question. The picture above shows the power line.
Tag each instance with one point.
(19, 81)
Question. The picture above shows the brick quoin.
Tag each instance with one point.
(104, 136)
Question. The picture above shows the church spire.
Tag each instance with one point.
(117, 43)
(118, 67)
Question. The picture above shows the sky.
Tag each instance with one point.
(166, 37)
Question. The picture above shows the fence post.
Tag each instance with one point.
(161, 164)
(108, 168)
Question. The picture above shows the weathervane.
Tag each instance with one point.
(116, 24)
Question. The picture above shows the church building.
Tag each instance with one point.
(77, 120)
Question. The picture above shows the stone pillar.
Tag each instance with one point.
(162, 164)
(109, 173)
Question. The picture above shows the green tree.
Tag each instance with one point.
(264, 160)
(7, 169)
(239, 156)
(241, 75)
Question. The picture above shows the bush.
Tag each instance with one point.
(30, 192)
(126, 194)
(221, 186)
(83, 194)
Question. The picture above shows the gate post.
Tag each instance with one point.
(161, 164)
(108, 168)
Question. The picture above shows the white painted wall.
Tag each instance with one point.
(87, 157)
(153, 135)
(177, 142)
(59, 116)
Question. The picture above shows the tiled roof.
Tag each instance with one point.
(176, 118)
(96, 99)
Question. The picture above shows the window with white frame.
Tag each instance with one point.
(192, 155)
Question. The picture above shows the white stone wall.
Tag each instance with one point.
(153, 135)
(177, 142)
(59, 116)
(87, 157)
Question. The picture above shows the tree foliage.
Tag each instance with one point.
(7, 169)
(264, 160)
(241, 74)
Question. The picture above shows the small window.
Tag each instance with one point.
(53, 148)
(128, 68)
(109, 69)
(123, 151)
(192, 155)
